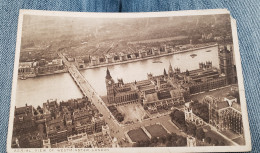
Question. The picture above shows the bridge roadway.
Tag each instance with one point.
(88, 91)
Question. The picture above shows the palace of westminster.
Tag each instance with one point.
(175, 88)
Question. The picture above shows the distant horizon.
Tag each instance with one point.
(49, 29)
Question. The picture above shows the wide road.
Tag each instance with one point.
(89, 92)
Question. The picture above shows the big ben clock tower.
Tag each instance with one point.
(226, 63)
(110, 87)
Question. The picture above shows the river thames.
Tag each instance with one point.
(36, 91)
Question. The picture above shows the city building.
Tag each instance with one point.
(55, 66)
(190, 117)
(26, 69)
(23, 119)
(174, 88)
(55, 124)
(157, 92)
(191, 141)
(225, 113)
(56, 130)
(40, 67)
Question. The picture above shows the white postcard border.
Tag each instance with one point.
(246, 147)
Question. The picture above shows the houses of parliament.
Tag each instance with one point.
(173, 87)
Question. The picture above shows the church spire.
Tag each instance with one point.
(170, 68)
(170, 71)
(164, 72)
(108, 76)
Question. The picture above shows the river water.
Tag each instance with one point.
(35, 91)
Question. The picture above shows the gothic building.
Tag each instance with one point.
(225, 114)
(207, 77)
(174, 87)
(226, 64)
(156, 91)
(120, 92)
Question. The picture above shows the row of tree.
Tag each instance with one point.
(170, 140)
(201, 110)
(178, 118)
(119, 116)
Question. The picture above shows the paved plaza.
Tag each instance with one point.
(132, 112)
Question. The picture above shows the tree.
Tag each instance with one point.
(160, 140)
(147, 143)
(163, 139)
(200, 110)
(200, 134)
(24, 142)
(174, 137)
(181, 142)
(208, 140)
(169, 137)
(191, 130)
(179, 117)
(154, 140)
(221, 143)
(214, 142)
(119, 117)
(168, 144)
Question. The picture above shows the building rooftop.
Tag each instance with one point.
(25, 64)
(236, 106)
(222, 104)
(230, 97)
(28, 110)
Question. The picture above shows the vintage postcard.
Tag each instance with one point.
(128, 82)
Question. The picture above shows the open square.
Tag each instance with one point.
(132, 112)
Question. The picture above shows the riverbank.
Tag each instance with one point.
(148, 57)
(33, 75)
(65, 70)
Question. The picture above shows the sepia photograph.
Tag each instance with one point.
(114, 82)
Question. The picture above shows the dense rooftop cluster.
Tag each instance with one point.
(55, 122)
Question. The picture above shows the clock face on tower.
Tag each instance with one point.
(109, 82)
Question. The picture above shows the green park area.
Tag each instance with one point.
(138, 135)
(156, 130)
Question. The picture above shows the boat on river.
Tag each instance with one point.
(193, 55)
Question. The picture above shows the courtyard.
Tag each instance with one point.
(156, 130)
(132, 112)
